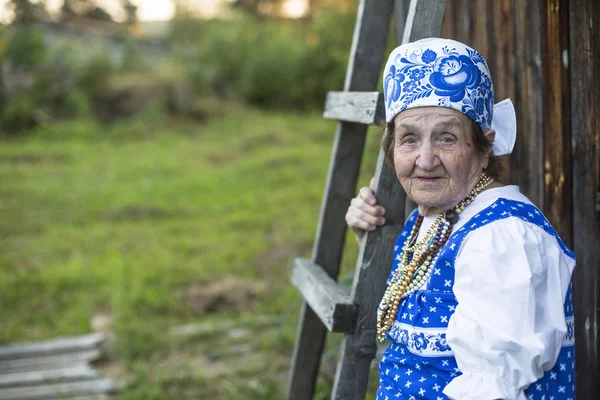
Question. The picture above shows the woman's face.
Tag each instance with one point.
(435, 157)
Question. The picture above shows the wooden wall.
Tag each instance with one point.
(584, 65)
(545, 56)
(508, 35)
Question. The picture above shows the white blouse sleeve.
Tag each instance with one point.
(511, 279)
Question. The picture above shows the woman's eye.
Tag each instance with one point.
(447, 139)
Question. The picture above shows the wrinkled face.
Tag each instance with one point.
(434, 156)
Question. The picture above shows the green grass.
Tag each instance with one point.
(126, 219)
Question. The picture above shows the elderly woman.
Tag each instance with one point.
(478, 303)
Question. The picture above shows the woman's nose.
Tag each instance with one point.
(427, 159)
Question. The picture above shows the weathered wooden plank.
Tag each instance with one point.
(373, 265)
(360, 107)
(93, 397)
(464, 28)
(29, 378)
(503, 67)
(480, 22)
(428, 22)
(557, 130)
(400, 14)
(60, 345)
(584, 64)
(327, 299)
(60, 391)
(365, 62)
(528, 156)
(450, 20)
(47, 362)
(375, 256)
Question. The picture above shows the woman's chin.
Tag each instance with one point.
(426, 200)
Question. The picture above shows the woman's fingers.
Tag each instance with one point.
(359, 204)
(364, 214)
(366, 194)
(358, 224)
(357, 218)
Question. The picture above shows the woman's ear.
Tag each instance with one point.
(490, 135)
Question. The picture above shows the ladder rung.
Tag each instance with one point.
(361, 107)
(325, 296)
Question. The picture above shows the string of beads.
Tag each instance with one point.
(418, 258)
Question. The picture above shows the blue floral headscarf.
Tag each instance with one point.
(445, 73)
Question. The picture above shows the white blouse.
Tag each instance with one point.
(511, 280)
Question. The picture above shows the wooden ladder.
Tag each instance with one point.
(326, 305)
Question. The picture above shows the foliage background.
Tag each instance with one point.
(139, 195)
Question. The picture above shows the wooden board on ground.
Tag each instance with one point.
(55, 369)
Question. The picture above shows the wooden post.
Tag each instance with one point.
(528, 156)
(364, 66)
(376, 250)
(557, 129)
(400, 13)
(584, 65)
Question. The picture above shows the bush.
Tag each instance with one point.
(25, 48)
(289, 64)
(21, 112)
(93, 76)
(43, 83)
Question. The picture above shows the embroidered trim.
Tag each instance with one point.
(569, 339)
(426, 342)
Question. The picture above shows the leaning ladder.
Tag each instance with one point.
(327, 306)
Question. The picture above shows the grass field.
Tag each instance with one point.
(156, 222)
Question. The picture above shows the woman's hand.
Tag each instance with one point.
(364, 214)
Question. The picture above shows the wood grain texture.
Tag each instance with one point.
(376, 250)
(558, 205)
(326, 298)
(55, 346)
(82, 372)
(424, 20)
(528, 156)
(64, 390)
(364, 66)
(373, 266)
(49, 362)
(400, 13)
(584, 64)
(360, 107)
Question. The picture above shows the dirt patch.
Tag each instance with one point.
(226, 294)
(282, 162)
(141, 212)
(33, 159)
(276, 257)
(269, 139)
(220, 159)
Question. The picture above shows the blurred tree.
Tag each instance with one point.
(98, 13)
(340, 5)
(85, 8)
(185, 26)
(257, 8)
(27, 11)
(130, 11)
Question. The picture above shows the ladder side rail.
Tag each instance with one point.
(366, 58)
(401, 15)
(374, 261)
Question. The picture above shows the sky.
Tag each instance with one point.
(161, 10)
(148, 10)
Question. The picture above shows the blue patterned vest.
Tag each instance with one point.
(419, 363)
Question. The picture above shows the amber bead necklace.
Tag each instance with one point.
(418, 258)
